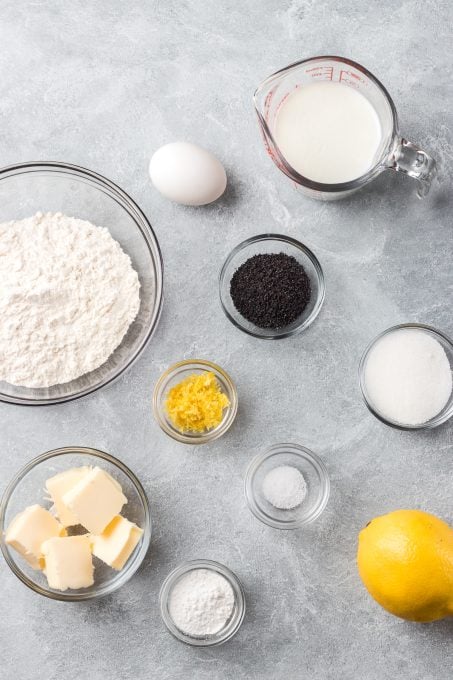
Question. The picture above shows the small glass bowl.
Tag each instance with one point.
(174, 375)
(316, 477)
(28, 487)
(232, 625)
(272, 243)
(447, 345)
(27, 188)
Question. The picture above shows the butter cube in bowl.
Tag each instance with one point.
(74, 524)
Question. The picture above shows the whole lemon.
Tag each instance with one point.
(405, 560)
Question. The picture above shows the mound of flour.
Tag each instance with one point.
(68, 294)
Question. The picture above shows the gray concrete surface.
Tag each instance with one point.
(103, 84)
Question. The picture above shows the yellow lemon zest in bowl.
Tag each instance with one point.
(197, 403)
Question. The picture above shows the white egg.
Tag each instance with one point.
(187, 174)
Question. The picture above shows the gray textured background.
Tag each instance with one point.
(103, 84)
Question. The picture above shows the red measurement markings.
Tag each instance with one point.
(350, 77)
(324, 72)
(267, 102)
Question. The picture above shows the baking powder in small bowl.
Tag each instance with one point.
(202, 603)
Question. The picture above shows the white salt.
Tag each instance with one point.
(284, 487)
(408, 377)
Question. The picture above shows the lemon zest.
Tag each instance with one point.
(196, 404)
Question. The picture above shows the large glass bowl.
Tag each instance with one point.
(28, 488)
(58, 187)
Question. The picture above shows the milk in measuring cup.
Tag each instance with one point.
(328, 132)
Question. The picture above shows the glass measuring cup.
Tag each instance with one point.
(394, 152)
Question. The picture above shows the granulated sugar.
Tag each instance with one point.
(408, 376)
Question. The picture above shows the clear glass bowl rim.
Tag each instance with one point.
(233, 580)
(146, 539)
(210, 435)
(319, 275)
(111, 189)
(441, 418)
(295, 449)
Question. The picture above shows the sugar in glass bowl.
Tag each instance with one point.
(447, 345)
(174, 375)
(273, 243)
(231, 626)
(27, 188)
(314, 473)
(28, 488)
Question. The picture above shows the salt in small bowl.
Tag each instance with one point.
(314, 473)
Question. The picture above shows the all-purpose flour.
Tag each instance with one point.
(68, 295)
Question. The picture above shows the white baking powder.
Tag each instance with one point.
(68, 295)
(201, 602)
(284, 487)
(408, 376)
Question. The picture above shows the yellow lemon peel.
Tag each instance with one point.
(405, 560)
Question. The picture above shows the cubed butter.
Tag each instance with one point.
(60, 484)
(117, 542)
(68, 562)
(28, 531)
(95, 500)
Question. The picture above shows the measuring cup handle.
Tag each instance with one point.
(410, 160)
